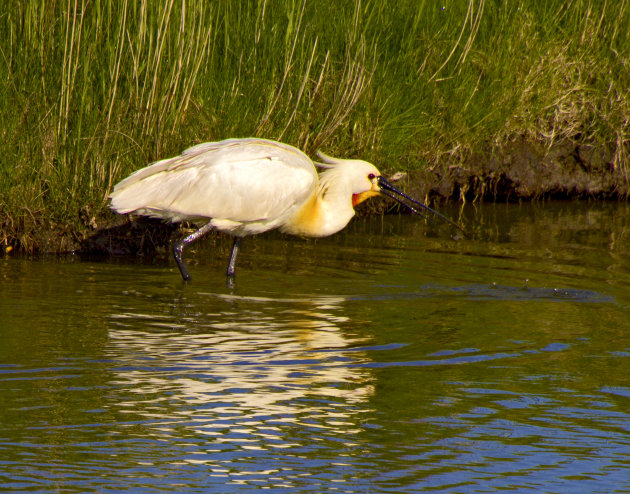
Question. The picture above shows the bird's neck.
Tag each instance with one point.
(327, 211)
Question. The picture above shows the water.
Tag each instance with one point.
(388, 358)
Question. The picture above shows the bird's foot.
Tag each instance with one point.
(181, 264)
(231, 281)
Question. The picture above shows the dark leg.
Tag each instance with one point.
(178, 249)
(232, 265)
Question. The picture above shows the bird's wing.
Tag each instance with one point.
(216, 153)
(242, 180)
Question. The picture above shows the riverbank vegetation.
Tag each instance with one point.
(477, 100)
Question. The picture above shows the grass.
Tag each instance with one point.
(93, 89)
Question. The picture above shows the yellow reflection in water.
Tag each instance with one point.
(251, 374)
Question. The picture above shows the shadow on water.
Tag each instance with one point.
(386, 358)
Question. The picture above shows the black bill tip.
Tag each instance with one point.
(412, 204)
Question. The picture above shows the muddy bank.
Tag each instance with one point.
(522, 171)
(527, 170)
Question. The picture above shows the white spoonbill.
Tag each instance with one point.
(248, 186)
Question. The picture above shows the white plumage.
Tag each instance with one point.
(248, 186)
(242, 184)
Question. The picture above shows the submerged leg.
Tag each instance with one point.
(178, 249)
(232, 264)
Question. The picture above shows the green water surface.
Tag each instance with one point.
(387, 358)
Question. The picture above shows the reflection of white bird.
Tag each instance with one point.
(248, 186)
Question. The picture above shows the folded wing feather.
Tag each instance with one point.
(242, 180)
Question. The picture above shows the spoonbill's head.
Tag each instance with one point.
(367, 181)
(364, 178)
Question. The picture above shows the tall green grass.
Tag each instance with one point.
(94, 89)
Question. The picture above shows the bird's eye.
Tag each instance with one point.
(371, 176)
